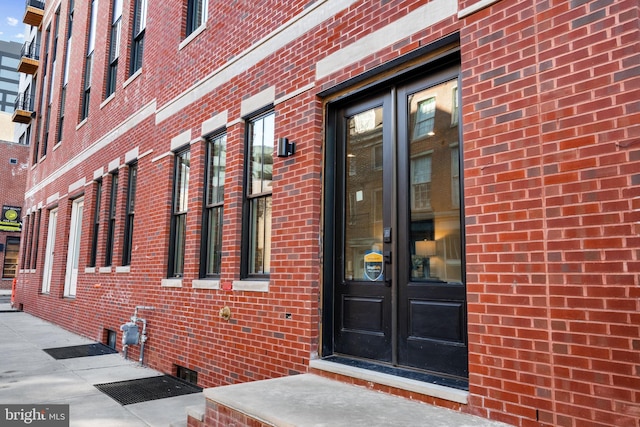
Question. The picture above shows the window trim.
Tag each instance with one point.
(208, 208)
(138, 30)
(181, 215)
(113, 52)
(111, 221)
(248, 199)
(73, 248)
(95, 230)
(190, 23)
(127, 242)
(47, 270)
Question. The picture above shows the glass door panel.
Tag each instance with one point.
(363, 199)
(434, 195)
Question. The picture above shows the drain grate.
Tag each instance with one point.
(145, 389)
(96, 349)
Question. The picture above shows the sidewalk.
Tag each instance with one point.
(28, 375)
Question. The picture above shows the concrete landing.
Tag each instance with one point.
(310, 400)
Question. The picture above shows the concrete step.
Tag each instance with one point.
(310, 400)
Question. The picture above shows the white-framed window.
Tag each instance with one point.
(425, 118)
(73, 250)
(49, 251)
(421, 182)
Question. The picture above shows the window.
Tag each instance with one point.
(137, 43)
(73, 251)
(425, 118)
(96, 224)
(129, 212)
(214, 199)
(52, 77)
(455, 109)
(179, 214)
(49, 251)
(259, 169)
(196, 14)
(88, 63)
(455, 176)
(111, 225)
(65, 78)
(28, 238)
(114, 47)
(421, 182)
(11, 250)
(33, 248)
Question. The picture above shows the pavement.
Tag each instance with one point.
(28, 375)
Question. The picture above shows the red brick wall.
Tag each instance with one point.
(550, 113)
(551, 118)
(13, 179)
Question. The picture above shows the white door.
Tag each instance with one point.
(48, 255)
(73, 254)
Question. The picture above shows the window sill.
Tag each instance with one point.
(55, 147)
(90, 270)
(251, 285)
(132, 77)
(206, 284)
(108, 100)
(123, 269)
(171, 283)
(82, 123)
(104, 269)
(192, 36)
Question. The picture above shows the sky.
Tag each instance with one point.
(11, 25)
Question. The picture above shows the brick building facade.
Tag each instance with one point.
(444, 190)
(13, 177)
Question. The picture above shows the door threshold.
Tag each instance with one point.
(422, 383)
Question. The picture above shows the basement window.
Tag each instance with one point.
(111, 338)
(186, 374)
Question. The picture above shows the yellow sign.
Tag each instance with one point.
(373, 266)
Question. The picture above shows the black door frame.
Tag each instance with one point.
(330, 253)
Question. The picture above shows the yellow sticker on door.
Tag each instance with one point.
(373, 266)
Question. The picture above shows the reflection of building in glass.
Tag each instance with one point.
(434, 182)
(364, 189)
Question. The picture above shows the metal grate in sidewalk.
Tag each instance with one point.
(96, 349)
(146, 389)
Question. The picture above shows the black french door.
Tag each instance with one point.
(398, 279)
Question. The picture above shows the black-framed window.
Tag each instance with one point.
(179, 213)
(129, 213)
(111, 225)
(96, 224)
(28, 238)
(196, 14)
(257, 205)
(114, 47)
(137, 37)
(88, 62)
(65, 72)
(36, 239)
(214, 205)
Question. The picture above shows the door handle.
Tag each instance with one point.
(387, 261)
